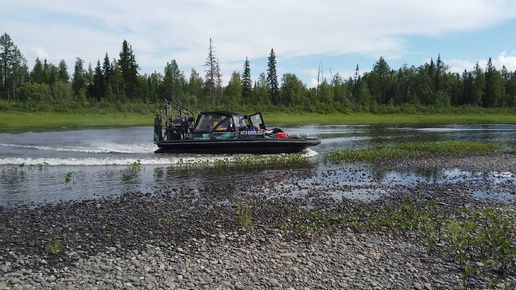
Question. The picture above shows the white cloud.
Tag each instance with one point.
(509, 61)
(160, 31)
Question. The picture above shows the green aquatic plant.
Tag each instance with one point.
(132, 171)
(413, 150)
(40, 165)
(70, 176)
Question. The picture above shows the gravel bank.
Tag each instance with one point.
(187, 238)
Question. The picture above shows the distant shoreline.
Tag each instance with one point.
(21, 122)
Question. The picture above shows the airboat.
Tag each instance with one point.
(221, 132)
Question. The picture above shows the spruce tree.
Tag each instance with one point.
(129, 70)
(78, 81)
(213, 80)
(272, 79)
(247, 86)
(63, 72)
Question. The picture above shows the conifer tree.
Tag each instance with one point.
(213, 80)
(272, 79)
(78, 81)
(247, 86)
(129, 70)
(13, 67)
(63, 72)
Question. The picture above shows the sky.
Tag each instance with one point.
(326, 36)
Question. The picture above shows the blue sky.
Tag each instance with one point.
(335, 35)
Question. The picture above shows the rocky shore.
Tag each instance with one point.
(185, 238)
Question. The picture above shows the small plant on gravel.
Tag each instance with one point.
(55, 246)
(244, 214)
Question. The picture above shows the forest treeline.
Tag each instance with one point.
(116, 85)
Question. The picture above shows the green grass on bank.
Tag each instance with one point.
(40, 121)
(363, 118)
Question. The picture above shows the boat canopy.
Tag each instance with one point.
(223, 121)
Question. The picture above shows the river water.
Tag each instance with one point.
(68, 164)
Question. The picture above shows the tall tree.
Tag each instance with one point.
(233, 91)
(106, 71)
(78, 81)
(213, 79)
(37, 75)
(293, 91)
(13, 67)
(467, 89)
(247, 85)
(173, 82)
(63, 71)
(380, 81)
(195, 87)
(495, 90)
(272, 79)
(97, 88)
(129, 71)
(479, 86)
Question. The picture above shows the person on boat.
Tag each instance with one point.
(257, 128)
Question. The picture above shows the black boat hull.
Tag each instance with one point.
(232, 146)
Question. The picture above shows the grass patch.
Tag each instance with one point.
(413, 150)
(19, 122)
(482, 241)
(328, 119)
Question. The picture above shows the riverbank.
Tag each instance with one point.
(21, 122)
(196, 238)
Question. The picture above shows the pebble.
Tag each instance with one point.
(195, 242)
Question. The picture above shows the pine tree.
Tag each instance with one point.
(13, 67)
(37, 75)
(78, 81)
(106, 73)
(247, 86)
(495, 89)
(213, 80)
(97, 88)
(272, 79)
(63, 72)
(129, 70)
(479, 86)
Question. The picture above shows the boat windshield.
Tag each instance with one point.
(214, 122)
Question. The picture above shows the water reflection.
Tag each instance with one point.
(33, 165)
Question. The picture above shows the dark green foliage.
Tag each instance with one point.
(247, 85)
(272, 79)
(129, 71)
(213, 80)
(429, 88)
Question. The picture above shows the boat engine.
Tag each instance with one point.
(178, 122)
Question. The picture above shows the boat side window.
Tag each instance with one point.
(225, 125)
(242, 124)
(204, 124)
(256, 119)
